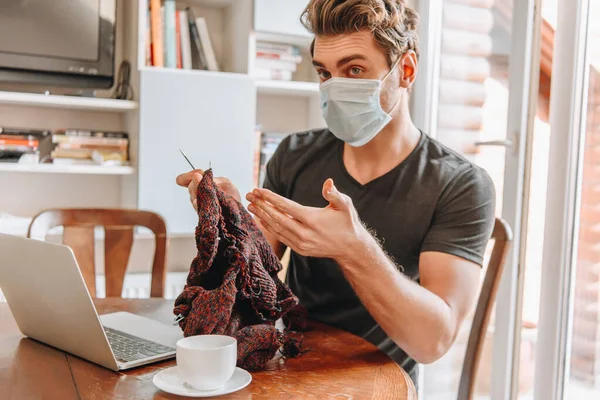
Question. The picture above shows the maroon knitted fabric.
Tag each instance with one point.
(232, 287)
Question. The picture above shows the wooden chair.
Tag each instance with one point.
(502, 237)
(118, 225)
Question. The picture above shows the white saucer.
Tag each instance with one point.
(169, 381)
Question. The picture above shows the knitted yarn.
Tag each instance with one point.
(232, 287)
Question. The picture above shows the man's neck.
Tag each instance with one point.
(385, 151)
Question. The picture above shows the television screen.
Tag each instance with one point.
(56, 28)
(57, 42)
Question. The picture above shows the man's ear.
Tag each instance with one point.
(408, 66)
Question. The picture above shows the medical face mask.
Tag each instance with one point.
(352, 109)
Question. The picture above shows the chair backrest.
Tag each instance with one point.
(502, 237)
(78, 234)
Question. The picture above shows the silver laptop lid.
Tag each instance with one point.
(49, 300)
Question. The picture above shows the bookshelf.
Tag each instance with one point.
(67, 169)
(66, 102)
(212, 115)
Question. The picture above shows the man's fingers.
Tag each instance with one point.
(193, 186)
(284, 205)
(277, 217)
(336, 199)
(266, 220)
(185, 179)
(284, 235)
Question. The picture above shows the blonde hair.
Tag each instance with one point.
(392, 22)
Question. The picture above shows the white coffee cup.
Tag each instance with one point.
(206, 362)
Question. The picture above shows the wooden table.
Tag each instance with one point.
(338, 366)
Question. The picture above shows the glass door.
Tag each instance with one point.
(569, 325)
(477, 93)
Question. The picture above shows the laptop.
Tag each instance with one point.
(50, 302)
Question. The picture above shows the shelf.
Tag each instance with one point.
(287, 88)
(67, 102)
(66, 169)
(274, 87)
(198, 72)
(208, 3)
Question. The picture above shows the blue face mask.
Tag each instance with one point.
(352, 109)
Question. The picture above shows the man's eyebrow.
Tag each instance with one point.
(341, 62)
(349, 58)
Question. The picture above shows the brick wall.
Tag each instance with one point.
(585, 347)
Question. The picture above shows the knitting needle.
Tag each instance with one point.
(186, 159)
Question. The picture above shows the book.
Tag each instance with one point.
(90, 133)
(178, 38)
(275, 61)
(73, 161)
(148, 39)
(272, 74)
(16, 148)
(267, 145)
(92, 146)
(18, 142)
(272, 55)
(90, 141)
(199, 58)
(156, 29)
(186, 45)
(282, 48)
(207, 48)
(170, 34)
(263, 63)
(162, 18)
(88, 145)
(24, 131)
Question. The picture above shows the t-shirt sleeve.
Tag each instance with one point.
(464, 217)
(273, 170)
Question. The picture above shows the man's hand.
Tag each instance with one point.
(192, 179)
(330, 232)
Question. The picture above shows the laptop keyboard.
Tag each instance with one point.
(129, 348)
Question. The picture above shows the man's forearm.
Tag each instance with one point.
(416, 319)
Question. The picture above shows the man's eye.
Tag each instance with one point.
(324, 75)
(355, 71)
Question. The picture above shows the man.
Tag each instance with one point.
(387, 227)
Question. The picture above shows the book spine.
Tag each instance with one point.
(178, 38)
(16, 148)
(164, 27)
(148, 39)
(196, 36)
(23, 131)
(156, 33)
(274, 74)
(19, 142)
(90, 133)
(262, 63)
(80, 146)
(256, 173)
(186, 45)
(278, 56)
(170, 34)
(90, 141)
(211, 60)
(277, 47)
(20, 137)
